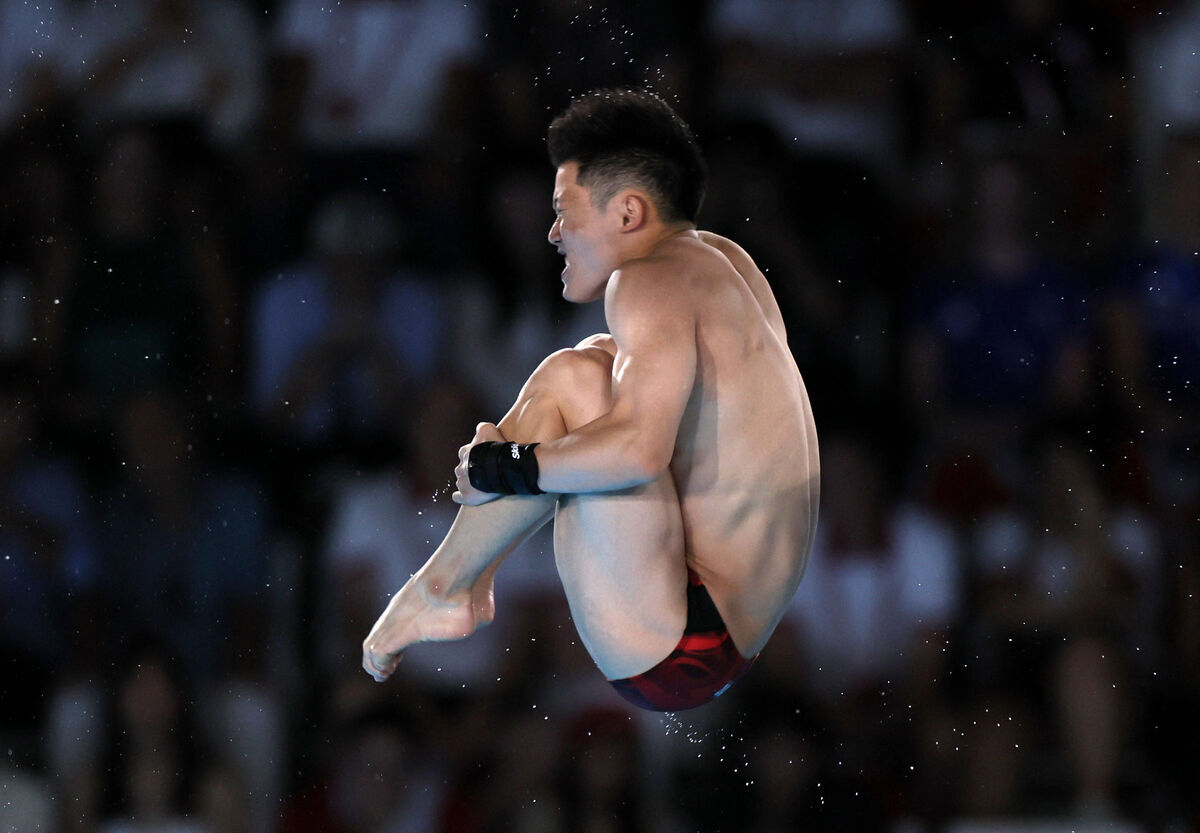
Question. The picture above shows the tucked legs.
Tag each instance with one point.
(620, 554)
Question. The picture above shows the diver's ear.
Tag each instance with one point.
(634, 210)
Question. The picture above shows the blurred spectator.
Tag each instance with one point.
(937, 116)
(157, 60)
(587, 776)
(222, 741)
(1063, 594)
(806, 150)
(222, 803)
(185, 541)
(201, 188)
(1152, 305)
(1165, 69)
(339, 339)
(1029, 62)
(41, 210)
(541, 54)
(601, 788)
(243, 722)
(824, 73)
(1177, 733)
(378, 778)
(151, 761)
(147, 307)
(34, 56)
(883, 589)
(789, 767)
(997, 334)
(376, 82)
(518, 790)
(1097, 576)
(829, 279)
(74, 746)
(271, 201)
(27, 800)
(1163, 44)
(50, 570)
(512, 316)
(377, 73)
(382, 92)
(883, 576)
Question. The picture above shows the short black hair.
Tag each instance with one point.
(622, 137)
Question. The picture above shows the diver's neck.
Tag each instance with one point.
(654, 239)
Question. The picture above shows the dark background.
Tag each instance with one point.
(264, 265)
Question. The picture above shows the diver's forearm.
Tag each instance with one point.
(603, 456)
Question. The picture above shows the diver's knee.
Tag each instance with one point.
(602, 340)
(582, 367)
(578, 380)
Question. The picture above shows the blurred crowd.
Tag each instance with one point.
(264, 265)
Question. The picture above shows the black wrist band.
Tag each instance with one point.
(504, 468)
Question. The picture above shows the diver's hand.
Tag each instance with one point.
(467, 494)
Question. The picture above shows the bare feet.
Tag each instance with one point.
(416, 614)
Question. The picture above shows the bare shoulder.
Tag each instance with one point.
(738, 257)
(745, 266)
(655, 280)
(724, 245)
(649, 295)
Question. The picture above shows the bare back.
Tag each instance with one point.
(746, 465)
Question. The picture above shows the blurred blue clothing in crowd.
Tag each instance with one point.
(1160, 288)
(1000, 338)
(185, 539)
(48, 553)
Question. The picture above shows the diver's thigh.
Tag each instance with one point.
(620, 556)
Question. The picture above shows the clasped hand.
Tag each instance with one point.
(465, 493)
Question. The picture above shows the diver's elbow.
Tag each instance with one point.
(649, 462)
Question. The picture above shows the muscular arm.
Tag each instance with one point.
(653, 375)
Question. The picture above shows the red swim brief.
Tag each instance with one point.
(702, 667)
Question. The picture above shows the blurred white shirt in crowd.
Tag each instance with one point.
(376, 66)
(157, 59)
(859, 613)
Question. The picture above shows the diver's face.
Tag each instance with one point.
(585, 235)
